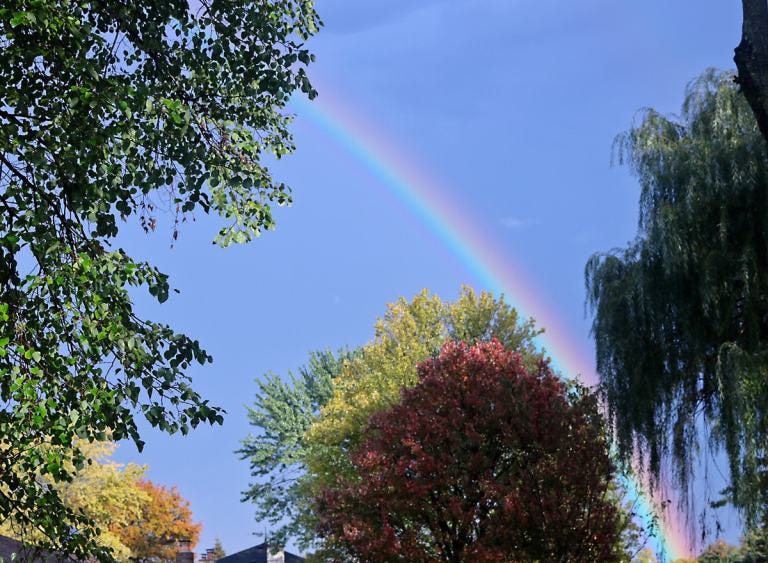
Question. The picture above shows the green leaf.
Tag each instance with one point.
(22, 18)
(126, 124)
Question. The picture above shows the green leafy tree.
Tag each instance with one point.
(109, 111)
(283, 412)
(681, 314)
(306, 425)
(216, 552)
(754, 548)
(719, 552)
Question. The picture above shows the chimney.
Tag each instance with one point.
(184, 553)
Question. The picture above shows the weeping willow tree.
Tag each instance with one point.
(681, 314)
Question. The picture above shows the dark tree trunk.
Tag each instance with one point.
(751, 57)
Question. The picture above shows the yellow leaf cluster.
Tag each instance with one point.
(409, 333)
(120, 502)
(105, 491)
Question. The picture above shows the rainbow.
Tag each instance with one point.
(492, 267)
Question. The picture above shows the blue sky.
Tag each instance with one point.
(511, 104)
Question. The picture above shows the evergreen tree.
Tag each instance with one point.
(217, 552)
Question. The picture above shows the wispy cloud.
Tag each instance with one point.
(516, 223)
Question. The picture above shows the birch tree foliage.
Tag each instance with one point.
(112, 113)
(681, 314)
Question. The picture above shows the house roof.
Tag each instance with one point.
(257, 554)
(10, 548)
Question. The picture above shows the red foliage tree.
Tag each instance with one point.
(481, 461)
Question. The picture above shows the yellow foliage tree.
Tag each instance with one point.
(646, 556)
(104, 491)
(107, 493)
(123, 506)
(409, 332)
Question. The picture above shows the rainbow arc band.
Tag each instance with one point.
(493, 268)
